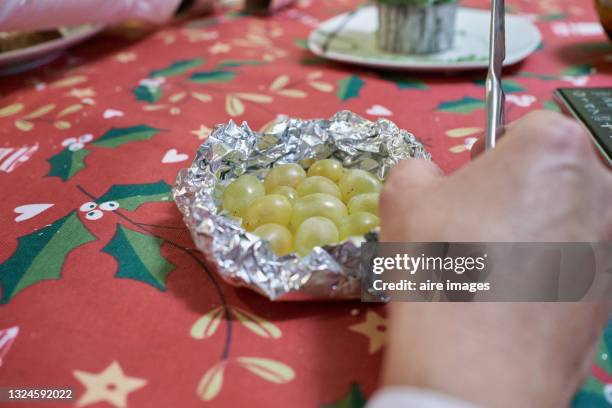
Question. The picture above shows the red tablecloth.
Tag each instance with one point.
(113, 303)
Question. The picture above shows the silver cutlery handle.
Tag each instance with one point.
(494, 90)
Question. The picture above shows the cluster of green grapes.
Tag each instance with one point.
(297, 211)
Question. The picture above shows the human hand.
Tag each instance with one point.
(542, 183)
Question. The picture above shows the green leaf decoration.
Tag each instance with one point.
(552, 106)
(301, 43)
(592, 392)
(602, 358)
(132, 196)
(543, 77)
(177, 68)
(604, 46)
(139, 257)
(578, 70)
(213, 76)
(407, 83)
(41, 254)
(463, 106)
(586, 399)
(349, 87)
(67, 163)
(404, 82)
(353, 399)
(606, 347)
(592, 385)
(508, 85)
(553, 17)
(146, 94)
(238, 63)
(310, 61)
(118, 136)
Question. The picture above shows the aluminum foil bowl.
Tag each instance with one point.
(242, 258)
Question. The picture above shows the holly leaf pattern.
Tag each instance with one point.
(553, 17)
(509, 86)
(213, 76)
(41, 254)
(139, 257)
(177, 68)
(552, 106)
(593, 389)
(407, 83)
(118, 136)
(313, 61)
(349, 87)
(578, 70)
(543, 77)
(67, 163)
(464, 106)
(146, 94)
(353, 399)
(301, 43)
(585, 399)
(132, 196)
(404, 82)
(237, 63)
(605, 347)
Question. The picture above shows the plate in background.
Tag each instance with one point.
(23, 59)
(353, 40)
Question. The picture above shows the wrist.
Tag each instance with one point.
(454, 358)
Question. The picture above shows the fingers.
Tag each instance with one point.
(414, 174)
(544, 139)
(401, 191)
(407, 178)
(539, 126)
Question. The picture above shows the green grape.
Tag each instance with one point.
(318, 184)
(269, 209)
(279, 237)
(240, 193)
(284, 175)
(355, 182)
(364, 202)
(330, 168)
(317, 204)
(287, 191)
(315, 232)
(357, 224)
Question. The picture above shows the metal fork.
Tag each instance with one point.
(496, 98)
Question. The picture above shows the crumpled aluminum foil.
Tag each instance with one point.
(242, 258)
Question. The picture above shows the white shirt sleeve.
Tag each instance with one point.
(406, 397)
(30, 15)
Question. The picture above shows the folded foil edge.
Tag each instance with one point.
(243, 259)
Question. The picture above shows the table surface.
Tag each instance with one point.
(113, 304)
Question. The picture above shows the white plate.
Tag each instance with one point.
(30, 57)
(354, 41)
